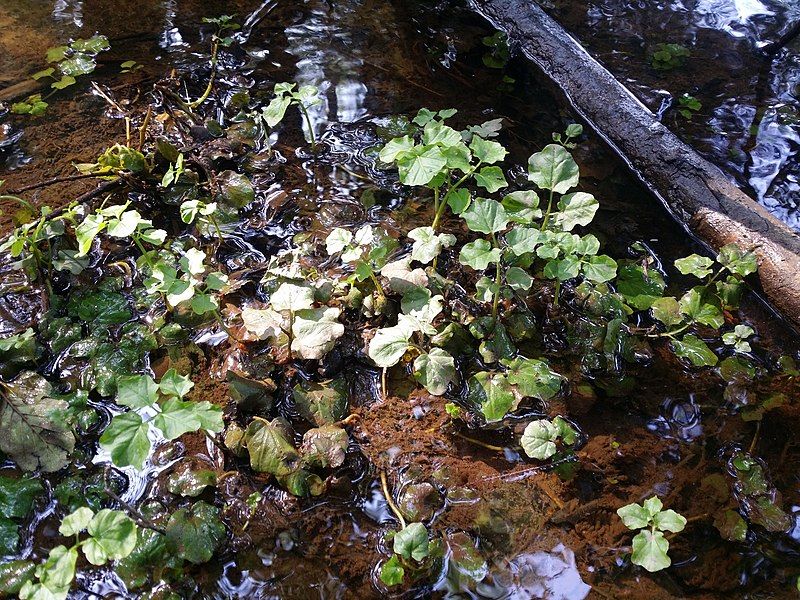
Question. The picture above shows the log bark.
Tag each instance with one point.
(694, 191)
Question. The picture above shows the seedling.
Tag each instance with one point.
(688, 106)
(669, 56)
(650, 547)
(110, 535)
(304, 98)
(127, 439)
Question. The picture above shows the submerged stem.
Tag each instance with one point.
(213, 76)
(307, 117)
(390, 501)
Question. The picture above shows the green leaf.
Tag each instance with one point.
(292, 297)
(553, 169)
(392, 572)
(419, 165)
(695, 351)
(650, 551)
(600, 269)
(653, 505)
(634, 516)
(487, 152)
(396, 146)
(491, 179)
(64, 82)
(338, 239)
(522, 240)
(56, 54)
(187, 481)
(479, 254)
(178, 417)
(35, 434)
(92, 45)
(78, 64)
(203, 303)
(667, 310)
(539, 439)
(125, 439)
(235, 189)
(270, 450)
(17, 496)
(321, 404)
(195, 533)
(694, 264)
(564, 269)
(315, 332)
(640, 288)
(174, 384)
(669, 520)
(389, 345)
(428, 244)
(87, 231)
(435, 371)
(459, 200)
(136, 391)
(737, 261)
(274, 112)
(113, 536)
(693, 305)
(436, 132)
(731, 526)
(14, 574)
(518, 279)
(76, 521)
(533, 377)
(485, 216)
(493, 393)
(412, 542)
(522, 207)
(55, 576)
(575, 209)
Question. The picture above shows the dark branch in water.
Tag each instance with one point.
(783, 41)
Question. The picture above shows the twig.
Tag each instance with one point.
(479, 443)
(390, 501)
(143, 128)
(133, 513)
(56, 180)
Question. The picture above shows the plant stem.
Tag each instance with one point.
(216, 226)
(547, 213)
(222, 324)
(497, 280)
(435, 200)
(377, 284)
(207, 92)
(307, 117)
(452, 189)
(390, 501)
(556, 292)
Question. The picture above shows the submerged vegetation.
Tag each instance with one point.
(496, 296)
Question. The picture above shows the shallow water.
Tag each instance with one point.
(749, 123)
(654, 428)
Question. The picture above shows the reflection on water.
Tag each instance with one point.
(327, 57)
(749, 122)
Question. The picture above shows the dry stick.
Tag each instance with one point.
(390, 501)
(143, 128)
(755, 438)
(56, 180)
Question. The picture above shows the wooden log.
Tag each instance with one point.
(694, 191)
